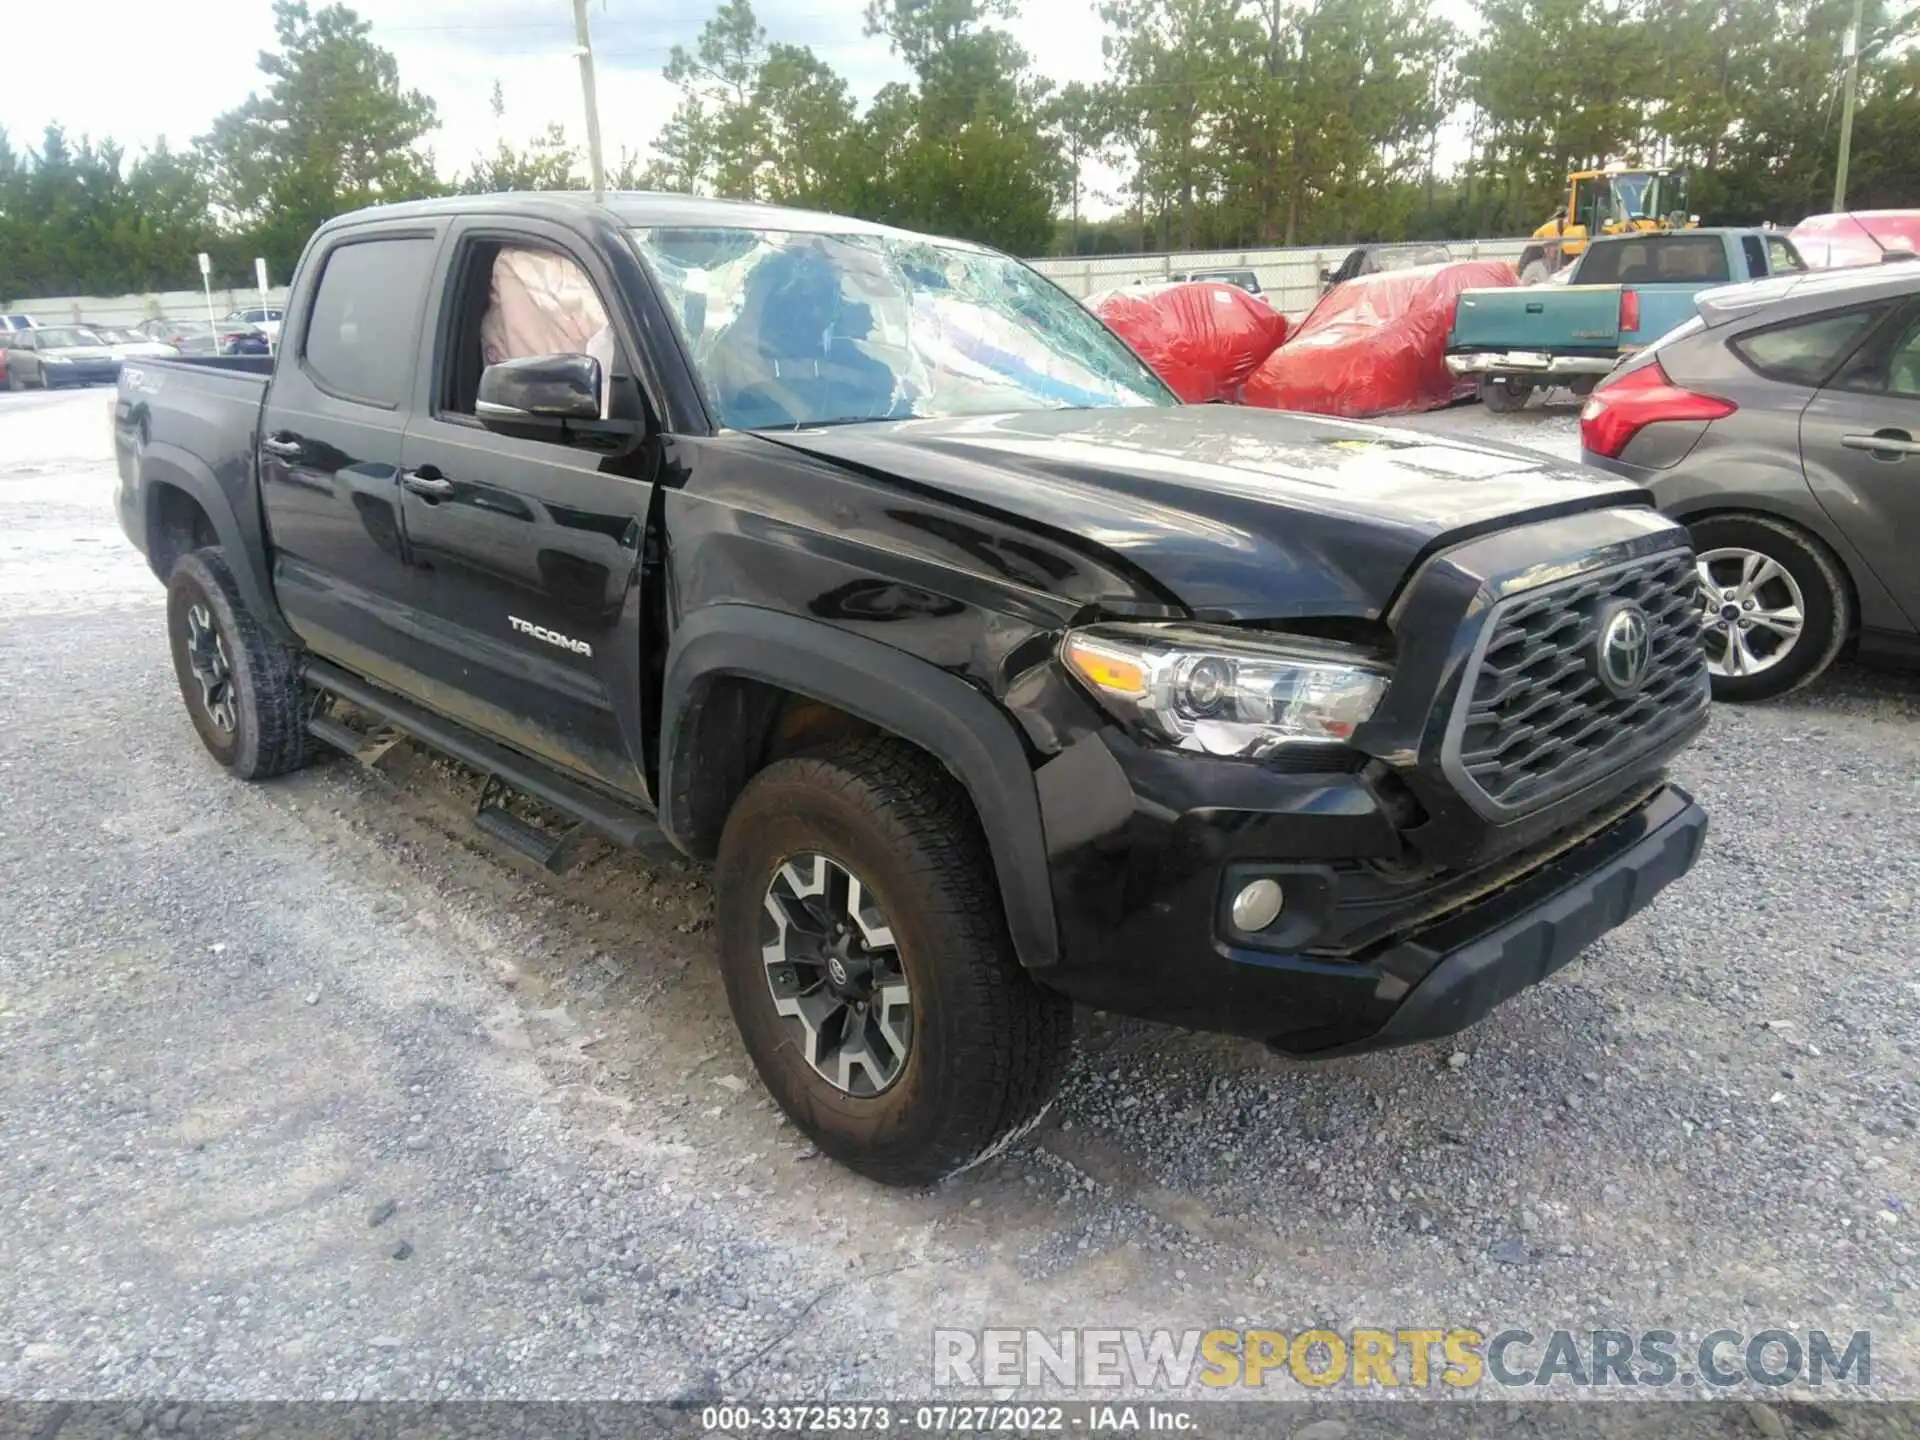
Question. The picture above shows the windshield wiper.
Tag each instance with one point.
(836, 420)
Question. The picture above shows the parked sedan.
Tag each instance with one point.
(55, 355)
(198, 337)
(1375, 259)
(132, 344)
(1782, 423)
(266, 321)
(1245, 280)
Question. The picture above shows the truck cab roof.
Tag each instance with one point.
(632, 209)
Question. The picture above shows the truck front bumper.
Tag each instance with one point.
(1472, 961)
(1361, 956)
(1529, 362)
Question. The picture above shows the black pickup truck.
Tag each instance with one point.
(873, 569)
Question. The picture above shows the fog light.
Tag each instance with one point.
(1257, 905)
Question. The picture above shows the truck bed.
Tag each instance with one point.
(196, 408)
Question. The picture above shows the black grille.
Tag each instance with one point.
(1539, 720)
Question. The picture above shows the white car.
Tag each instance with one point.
(132, 345)
(265, 320)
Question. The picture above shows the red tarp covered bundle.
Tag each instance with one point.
(1376, 345)
(1202, 338)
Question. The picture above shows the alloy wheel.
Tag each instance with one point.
(834, 971)
(207, 656)
(1751, 611)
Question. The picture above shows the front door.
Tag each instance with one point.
(525, 554)
(1860, 440)
(330, 443)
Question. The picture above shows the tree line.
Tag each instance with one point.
(1219, 124)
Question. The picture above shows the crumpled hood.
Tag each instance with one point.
(1237, 513)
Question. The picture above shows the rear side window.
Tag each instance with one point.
(1889, 361)
(1784, 257)
(1756, 256)
(365, 321)
(1804, 352)
(1657, 260)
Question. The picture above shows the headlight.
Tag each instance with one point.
(1224, 692)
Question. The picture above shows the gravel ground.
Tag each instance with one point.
(311, 1092)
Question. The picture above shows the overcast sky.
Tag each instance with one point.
(138, 69)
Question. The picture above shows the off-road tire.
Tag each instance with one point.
(269, 736)
(1502, 395)
(1827, 597)
(988, 1044)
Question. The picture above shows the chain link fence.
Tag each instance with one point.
(1289, 278)
(130, 310)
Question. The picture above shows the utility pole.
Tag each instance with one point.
(585, 52)
(1846, 109)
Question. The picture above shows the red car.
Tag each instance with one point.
(1857, 237)
(1376, 345)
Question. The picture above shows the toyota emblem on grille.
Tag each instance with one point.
(1624, 649)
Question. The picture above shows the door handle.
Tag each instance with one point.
(1883, 444)
(279, 445)
(427, 481)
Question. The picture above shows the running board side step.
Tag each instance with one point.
(546, 849)
(625, 825)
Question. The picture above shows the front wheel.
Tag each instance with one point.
(867, 963)
(1504, 395)
(242, 688)
(1774, 606)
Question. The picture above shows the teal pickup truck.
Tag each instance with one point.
(1624, 292)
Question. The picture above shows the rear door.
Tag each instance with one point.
(330, 443)
(23, 361)
(1860, 443)
(525, 553)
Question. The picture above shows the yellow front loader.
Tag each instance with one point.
(1607, 202)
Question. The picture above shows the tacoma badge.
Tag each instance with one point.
(552, 637)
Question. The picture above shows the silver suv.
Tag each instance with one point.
(1782, 425)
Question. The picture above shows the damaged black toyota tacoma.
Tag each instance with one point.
(874, 570)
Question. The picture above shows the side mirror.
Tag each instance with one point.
(537, 388)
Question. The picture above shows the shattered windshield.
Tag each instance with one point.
(789, 328)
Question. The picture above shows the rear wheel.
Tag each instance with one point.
(1503, 395)
(241, 687)
(1774, 606)
(867, 964)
